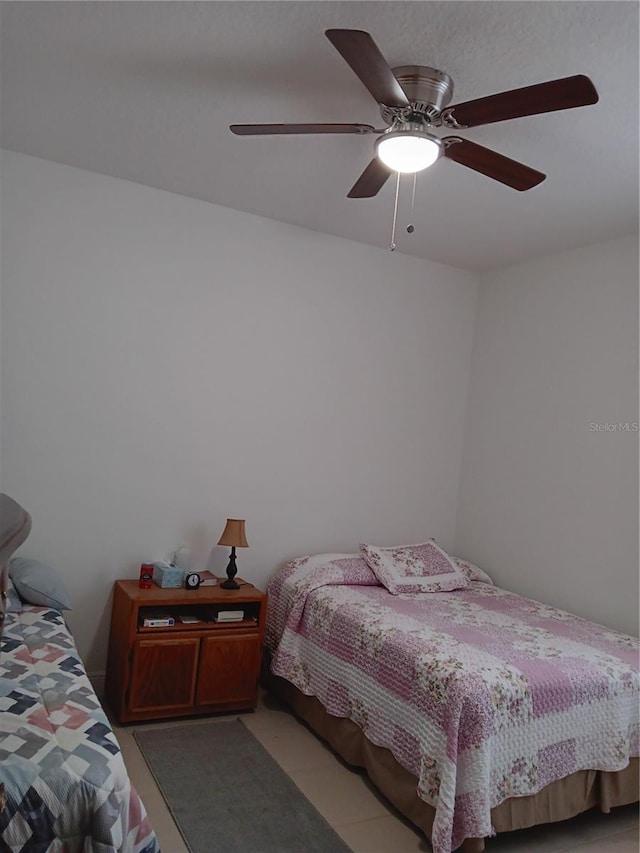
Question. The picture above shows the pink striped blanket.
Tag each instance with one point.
(481, 694)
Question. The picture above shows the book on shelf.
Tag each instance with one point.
(157, 619)
(207, 578)
(230, 616)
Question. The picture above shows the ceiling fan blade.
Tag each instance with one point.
(361, 53)
(370, 181)
(492, 164)
(548, 97)
(271, 129)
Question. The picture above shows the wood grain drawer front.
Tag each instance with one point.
(229, 668)
(163, 674)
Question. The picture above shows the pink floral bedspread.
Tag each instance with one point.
(480, 693)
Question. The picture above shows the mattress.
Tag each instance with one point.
(481, 694)
(66, 785)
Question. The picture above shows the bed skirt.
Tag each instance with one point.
(558, 801)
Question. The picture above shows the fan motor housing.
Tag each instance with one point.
(427, 89)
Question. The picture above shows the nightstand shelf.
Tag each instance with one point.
(186, 668)
(197, 626)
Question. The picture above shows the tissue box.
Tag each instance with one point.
(167, 577)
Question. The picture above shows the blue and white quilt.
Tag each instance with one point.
(66, 786)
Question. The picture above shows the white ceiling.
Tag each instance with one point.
(146, 90)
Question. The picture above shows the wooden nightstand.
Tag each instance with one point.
(187, 668)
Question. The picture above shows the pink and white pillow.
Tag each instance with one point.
(473, 572)
(415, 568)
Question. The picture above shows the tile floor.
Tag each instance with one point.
(363, 819)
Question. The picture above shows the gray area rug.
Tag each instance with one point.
(228, 795)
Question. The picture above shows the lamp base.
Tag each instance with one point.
(230, 583)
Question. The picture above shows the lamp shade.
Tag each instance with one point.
(408, 150)
(233, 534)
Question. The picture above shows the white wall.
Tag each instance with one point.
(548, 503)
(168, 363)
(1, 181)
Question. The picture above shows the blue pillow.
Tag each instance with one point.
(38, 583)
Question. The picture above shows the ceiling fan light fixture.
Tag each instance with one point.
(408, 150)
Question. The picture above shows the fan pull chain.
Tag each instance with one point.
(410, 228)
(392, 244)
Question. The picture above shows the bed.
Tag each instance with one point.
(474, 710)
(63, 783)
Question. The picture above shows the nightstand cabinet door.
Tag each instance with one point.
(229, 669)
(163, 675)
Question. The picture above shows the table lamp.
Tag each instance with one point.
(233, 535)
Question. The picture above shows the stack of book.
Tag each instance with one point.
(230, 616)
(207, 578)
(157, 619)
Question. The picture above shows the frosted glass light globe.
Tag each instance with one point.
(405, 151)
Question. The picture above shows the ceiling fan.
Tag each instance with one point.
(413, 100)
